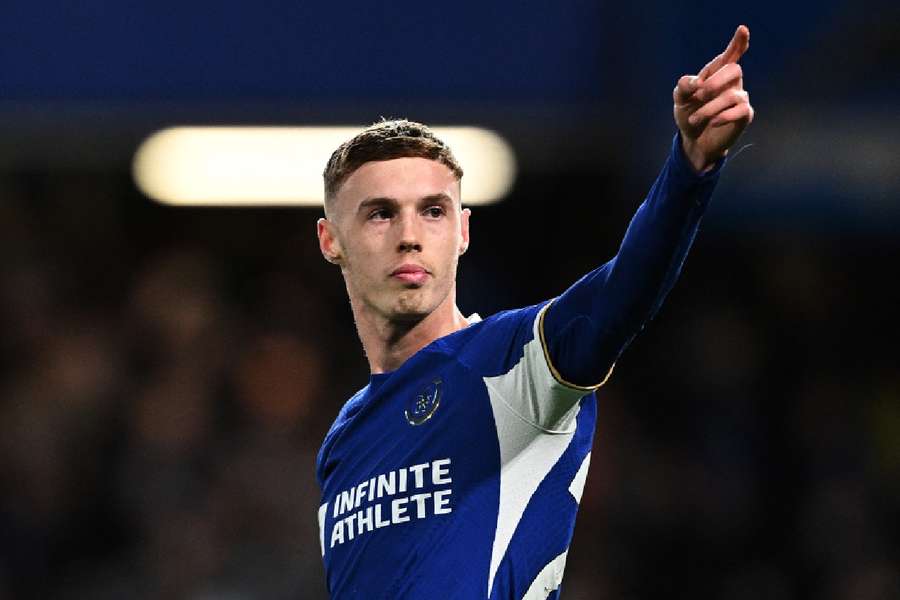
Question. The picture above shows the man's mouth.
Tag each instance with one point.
(409, 273)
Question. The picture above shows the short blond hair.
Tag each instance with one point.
(385, 140)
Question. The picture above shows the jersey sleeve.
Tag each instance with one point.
(586, 329)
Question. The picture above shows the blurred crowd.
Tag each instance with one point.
(167, 376)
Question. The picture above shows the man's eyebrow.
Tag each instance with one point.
(377, 201)
(440, 197)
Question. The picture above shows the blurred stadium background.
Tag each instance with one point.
(167, 374)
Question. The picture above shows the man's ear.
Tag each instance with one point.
(328, 242)
(464, 222)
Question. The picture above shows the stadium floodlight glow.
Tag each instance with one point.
(272, 166)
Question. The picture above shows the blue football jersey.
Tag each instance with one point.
(459, 474)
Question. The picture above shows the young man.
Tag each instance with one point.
(457, 472)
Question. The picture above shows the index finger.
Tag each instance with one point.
(739, 44)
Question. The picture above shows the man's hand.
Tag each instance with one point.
(712, 108)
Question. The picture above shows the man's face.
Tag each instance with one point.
(397, 232)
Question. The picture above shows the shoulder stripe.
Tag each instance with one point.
(553, 370)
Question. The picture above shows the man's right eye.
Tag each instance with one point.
(380, 214)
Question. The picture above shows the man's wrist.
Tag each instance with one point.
(698, 160)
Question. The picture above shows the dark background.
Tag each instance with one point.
(167, 374)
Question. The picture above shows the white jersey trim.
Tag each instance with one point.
(322, 512)
(576, 488)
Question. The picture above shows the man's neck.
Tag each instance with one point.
(389, 343)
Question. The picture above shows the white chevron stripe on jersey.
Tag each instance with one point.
(535, 417)
(526, 456)
(576, 488)
(548, 579)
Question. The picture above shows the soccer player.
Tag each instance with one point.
(457, 471)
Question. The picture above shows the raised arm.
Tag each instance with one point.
(587, 327)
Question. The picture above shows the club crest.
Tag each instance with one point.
(419, 409)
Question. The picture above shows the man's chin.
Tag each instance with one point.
(411, 305)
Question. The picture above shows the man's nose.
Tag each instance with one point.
(410, 240)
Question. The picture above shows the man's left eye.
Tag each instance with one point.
(434, 211)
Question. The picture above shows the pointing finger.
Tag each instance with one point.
(739, 44)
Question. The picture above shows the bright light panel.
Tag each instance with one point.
(272, 166)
